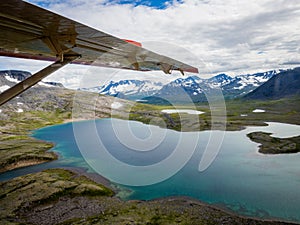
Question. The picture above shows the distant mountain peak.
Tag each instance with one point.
(220, 80)
(9, 77)
(128, 89)
(284, 84)
(15, 75)
(222, 76)
(194, 77)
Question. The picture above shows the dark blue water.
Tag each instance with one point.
(239, 178)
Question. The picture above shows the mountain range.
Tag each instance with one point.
(272, 84)
(182, 90)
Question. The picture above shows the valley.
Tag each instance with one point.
(48, 105)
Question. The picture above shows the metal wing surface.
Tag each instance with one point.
(28, 31)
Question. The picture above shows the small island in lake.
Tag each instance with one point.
(273, 145)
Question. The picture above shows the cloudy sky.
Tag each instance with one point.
(217, 36)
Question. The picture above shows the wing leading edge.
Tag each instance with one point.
(28, 31)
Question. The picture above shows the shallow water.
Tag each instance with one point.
(239, 178)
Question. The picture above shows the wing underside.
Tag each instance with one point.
(28, 31)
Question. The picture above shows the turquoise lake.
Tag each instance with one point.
(239, 178)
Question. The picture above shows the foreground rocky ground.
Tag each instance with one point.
(59, 196)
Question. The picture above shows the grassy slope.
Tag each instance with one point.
(17, 148)
(283, 110)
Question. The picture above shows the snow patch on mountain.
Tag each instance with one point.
(20, 110)
(259, 111)
(116, 105)
(219, 80)
(127, 88)
(254, 80)
(11, 79)
(4, 88)
(188, 111)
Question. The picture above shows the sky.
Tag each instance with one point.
(217, 36)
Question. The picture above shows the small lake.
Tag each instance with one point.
(239, 178)
(188, 111)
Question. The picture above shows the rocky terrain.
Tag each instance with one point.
(59, 196)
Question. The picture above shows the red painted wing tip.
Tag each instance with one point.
(133, 42)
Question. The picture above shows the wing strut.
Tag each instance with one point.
(34, 79)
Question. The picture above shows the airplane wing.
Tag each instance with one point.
(28, 31)
(31, 32)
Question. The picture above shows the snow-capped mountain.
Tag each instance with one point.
(14, 75)
(285, 84)
(219, 80)
(198, 89)
(128, 89)
(184, 90)
(191, 85)
(187, 88)
(243, 84)
(8, 78)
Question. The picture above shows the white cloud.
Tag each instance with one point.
(32, 66)
(221, 36)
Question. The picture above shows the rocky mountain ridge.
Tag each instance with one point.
(11, 77)
(285, 84)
